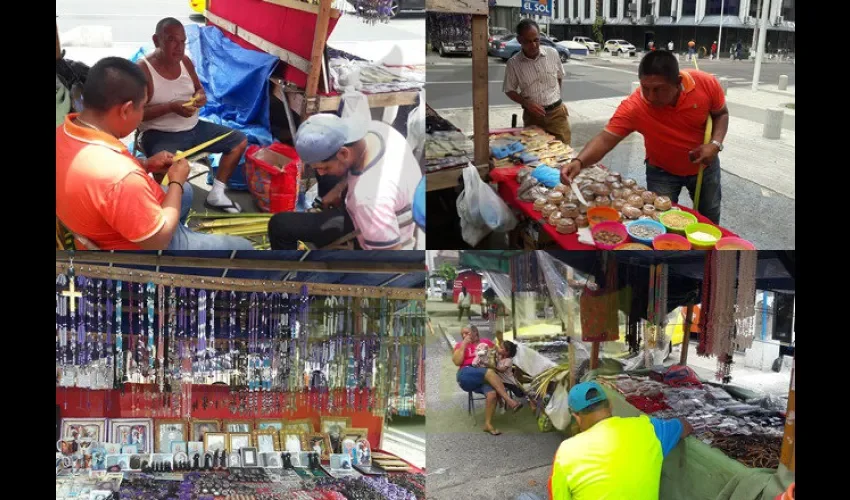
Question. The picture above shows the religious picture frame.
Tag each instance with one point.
(264, 424)
(238, 425)
(238, 440)
(355, 433)
(214, 441)
(138, 431)
(112, 448)
(304, 425)
(364, 452)
(334, 427)
(249, 457)
(136, 460)
(291, 441)
(266, 441)
(84, 428)
(129, 449)
(179, 446)
(169, 430)
(318, 442)
(270, 460)
(199, 427)
(195, 448)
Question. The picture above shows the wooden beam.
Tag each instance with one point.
(789, 442)
(480, 86)
(475, 7)
(686, 338)
(594, 355)
(326, 103)
(240, 285)
(132, 258)
(318, 51)
(449, 178)
(303, 6)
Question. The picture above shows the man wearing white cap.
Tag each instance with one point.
(381, 173)
(612, 457)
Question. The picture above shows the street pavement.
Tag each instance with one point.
(758, 174)
(463, 461)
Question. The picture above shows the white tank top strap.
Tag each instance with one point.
(181, 88)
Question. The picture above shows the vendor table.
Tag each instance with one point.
(508, 187)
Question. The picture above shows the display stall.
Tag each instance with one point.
(197, 376)
(743, 442)
(526, 164)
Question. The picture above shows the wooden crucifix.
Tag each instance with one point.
(73, 294)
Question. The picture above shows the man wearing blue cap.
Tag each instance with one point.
(381, 174)
(613, 457)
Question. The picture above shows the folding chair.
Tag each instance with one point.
(470, 405)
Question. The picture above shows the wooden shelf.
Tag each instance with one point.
(449, 178)
(298, 101)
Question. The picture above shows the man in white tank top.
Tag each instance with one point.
(171, 120)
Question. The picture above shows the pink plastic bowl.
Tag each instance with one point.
(611, 227)
(732, 243)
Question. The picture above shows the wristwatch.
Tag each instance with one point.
(718, 144)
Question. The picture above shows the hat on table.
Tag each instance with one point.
(322, 135)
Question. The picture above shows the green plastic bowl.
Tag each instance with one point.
(703, 228)
(677, 230)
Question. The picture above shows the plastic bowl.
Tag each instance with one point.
(671, 242)
(677, 230)
(611, 227)
(632, 246)
(602, 214)
(732, 243)
(648, 223)
(699, 227)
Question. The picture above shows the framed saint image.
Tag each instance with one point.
(266, 441)
(195, 448)
(249, 457)
(238, 426)
(122, 461)
(271, 459)
(169, 430)
(291, 441)
(84, 428)
(333, 427)
(129, 449)
(318, 442)
(355, 433)
(200, 427)
(180, 447)
(112, 448)
(304, 425)
(215, 441)
(137, 431)
(238, 440)
(266, 424)
(364, 452)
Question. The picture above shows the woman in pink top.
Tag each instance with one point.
(481, 380)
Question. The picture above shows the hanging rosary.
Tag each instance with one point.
(119, 340)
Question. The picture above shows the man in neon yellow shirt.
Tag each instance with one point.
(613, 458)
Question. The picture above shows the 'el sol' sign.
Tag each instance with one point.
(537, 7)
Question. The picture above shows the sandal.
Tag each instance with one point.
(517, 408)
(493, 432)
(232, 208)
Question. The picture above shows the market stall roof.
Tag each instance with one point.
(397, 269)
(489, 260)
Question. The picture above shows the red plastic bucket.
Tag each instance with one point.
(274, 175)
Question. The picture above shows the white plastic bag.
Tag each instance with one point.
(416, 127)
(558, 409)
(481, 208)
(355, 107)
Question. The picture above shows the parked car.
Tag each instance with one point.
(496, 33)
(620, 46)
(447, 47)
(587, 42)
(575, 48)
(498, 44)
(507, 48)
(401, 6)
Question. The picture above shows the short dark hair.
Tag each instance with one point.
(525, 25)
(511, 348)
(165, 23)
(113, 81)
(660, 63)
(599, 405)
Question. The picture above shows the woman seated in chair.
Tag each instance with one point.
(480, 379)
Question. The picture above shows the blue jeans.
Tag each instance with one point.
(186, 239)
(664, 183)
(154, 141)
(471, 379)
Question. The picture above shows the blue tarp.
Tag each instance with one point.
(236, 81)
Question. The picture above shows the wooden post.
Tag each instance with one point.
(316, 55)
(572, 360)
(480, 98)
(594, 356)
(789, 440)
(686, 338)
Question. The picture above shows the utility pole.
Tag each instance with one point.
(720, 33)
(762, 38)
(756, 29)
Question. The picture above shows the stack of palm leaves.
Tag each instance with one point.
(540, 384)
(252, 226)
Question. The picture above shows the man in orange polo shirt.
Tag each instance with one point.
(671, 109)
(103, 193)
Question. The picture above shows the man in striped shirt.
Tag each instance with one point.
(533, 78)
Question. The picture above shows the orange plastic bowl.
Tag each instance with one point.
(598, 215)
(671, 241)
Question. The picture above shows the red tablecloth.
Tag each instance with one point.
(508, 187)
